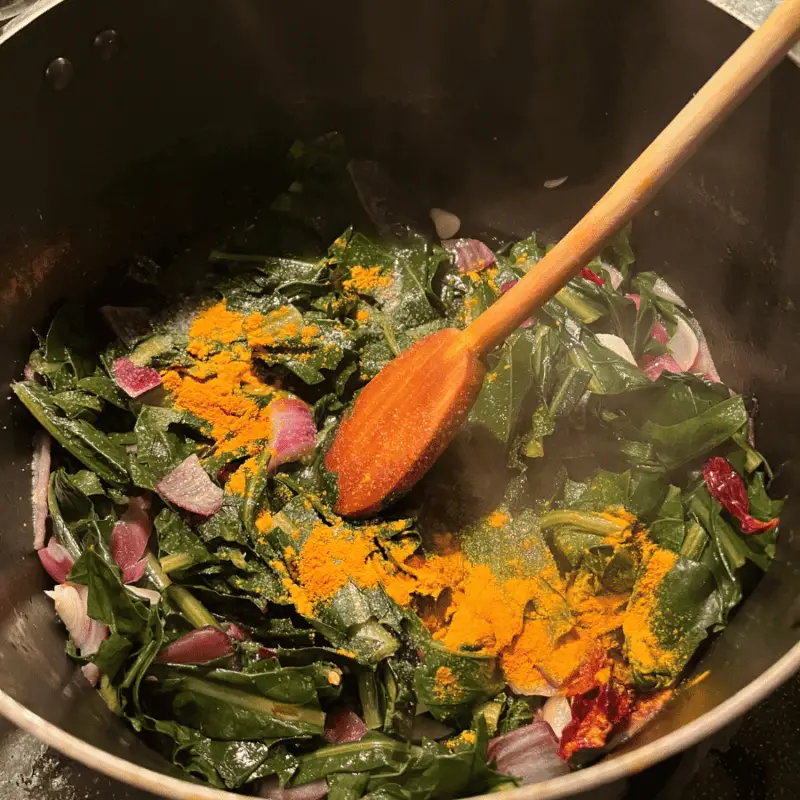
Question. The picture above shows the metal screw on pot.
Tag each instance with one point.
(107, 43)
(59, 73)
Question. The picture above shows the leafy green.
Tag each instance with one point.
(507, 382)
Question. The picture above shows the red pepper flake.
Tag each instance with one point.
(727, 487)
(592, 276)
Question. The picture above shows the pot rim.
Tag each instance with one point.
(604, 772)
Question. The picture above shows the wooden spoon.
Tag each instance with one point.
(408, 414)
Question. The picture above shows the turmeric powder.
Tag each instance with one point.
(366, 279)
(446, 686)
(641, 624)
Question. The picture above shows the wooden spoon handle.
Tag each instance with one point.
(731, 84)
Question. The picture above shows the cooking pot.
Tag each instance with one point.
(148, 127)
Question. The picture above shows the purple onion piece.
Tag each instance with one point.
(56, 560)
(469, 255)
(529, 753)
(129, 540)
(189, 487)
(315, 790)
(197, 647)
(134, 380)
(344, 726)
(294, 434)
(41, 484)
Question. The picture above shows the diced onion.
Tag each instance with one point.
(616, 345)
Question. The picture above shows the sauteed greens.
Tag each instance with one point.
(470, 638)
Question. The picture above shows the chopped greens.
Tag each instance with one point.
(265, 642)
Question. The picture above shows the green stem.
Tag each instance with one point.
(368, 694)
(109, 694)
(176, 561)
(573, 302)
(694, 542)
(156, 573)
(311, 718)
(591, 523)
(192, 609)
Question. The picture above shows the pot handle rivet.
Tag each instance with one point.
(59, 73)
(107, 43)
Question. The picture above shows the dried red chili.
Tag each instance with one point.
(595, 715)
(727, 487)
(592, 276)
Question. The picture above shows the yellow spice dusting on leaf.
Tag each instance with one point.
(264, 522)
(497, 519)
(642, 623)
(366, 279)
(446, 686)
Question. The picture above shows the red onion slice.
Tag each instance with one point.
(189, 487)
(135, 380)
(529, 753)
(92, 673)
(653, 366)
(557, 713)
(151, 595)
(684, 346)
(197, 647)
(469, 255)
(344, 726)
(71, 602)
(663, 290)
(294, 433)
(616, 345)
(236, 632)
(40, 473)
(704, 363)
(56, 560)
(659, 333)
(129, 540)
(315, 790)
(614, 276)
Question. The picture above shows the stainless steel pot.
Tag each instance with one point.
(146, 127)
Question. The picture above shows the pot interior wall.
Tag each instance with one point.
(470, 108)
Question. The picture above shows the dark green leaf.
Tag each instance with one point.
(109, 602)
(90, 446)
(497, 408)
(175, 537)
(668, 529)
(113, 654)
